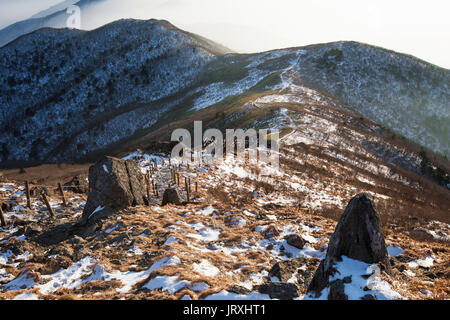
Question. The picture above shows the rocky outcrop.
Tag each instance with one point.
(300, 268)
(171, 196)
(115, 184)
(358, 236)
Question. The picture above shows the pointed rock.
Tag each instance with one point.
(358, 236)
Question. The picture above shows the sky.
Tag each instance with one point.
(420, 28)
(15, 10)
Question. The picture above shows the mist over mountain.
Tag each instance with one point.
(53, 9)
(262, 25)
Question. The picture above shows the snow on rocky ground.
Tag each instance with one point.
(221, 248)
(365, 282)
(225, 244)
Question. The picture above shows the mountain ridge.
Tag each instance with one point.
(136, 75)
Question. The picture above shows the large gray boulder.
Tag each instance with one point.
(358, 236)
(114, 185)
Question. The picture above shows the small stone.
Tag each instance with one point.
(171, 196)
(295, 241)
(279, 290)
(402, 268)
(239, 290)
(284, 270)
(347, 279)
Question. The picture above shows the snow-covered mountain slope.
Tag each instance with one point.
(252, 229)
(63, 86)
(410, 96)
(71, 95)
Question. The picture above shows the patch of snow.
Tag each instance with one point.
(226, 295)
(24, 281)
(4, 257)
(115, 227)
(26, 296)
(99, 208)
(5, 276)
(206, 268)
(394, 250)
(129, 279)
(204, 233)
(260, 228)
(135, 251)
(310, 238)
(425, 263)
(355, 289)
(67, 278)
(206, 211)
(198, 286)
(237, 221)
(306, 252)
(170, 240)
(170, 284)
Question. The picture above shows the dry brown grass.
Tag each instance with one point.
(47, 174)
(219, 194)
